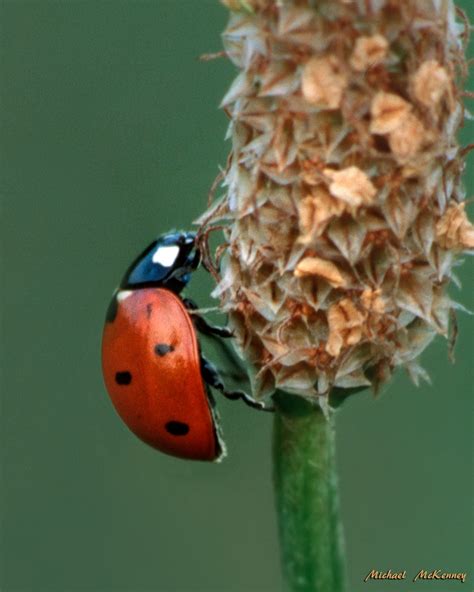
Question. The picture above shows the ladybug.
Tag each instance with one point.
(154, 371)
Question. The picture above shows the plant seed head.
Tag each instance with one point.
(342, 202)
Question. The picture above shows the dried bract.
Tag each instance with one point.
(388, 113)
(323, 82)
(316, 210)
(373, 301)
(430, 83)
(369, 51)
(346, 326)
(407, 139)
(453, 230)
(315, 266)
(352, 186)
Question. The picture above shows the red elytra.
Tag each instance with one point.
(151, 367)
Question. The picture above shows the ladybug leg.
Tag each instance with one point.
(204, 326)
(209, 372)
(211, 377)
(213, 330)
(219, 334)
(229, 354)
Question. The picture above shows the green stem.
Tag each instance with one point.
(306, 497)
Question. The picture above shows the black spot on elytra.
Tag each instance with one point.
(177, 428)
(112, 310)
(161, 349)
(123, 378)
(149, 308)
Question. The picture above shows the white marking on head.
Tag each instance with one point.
(123, 294)
(166, 255)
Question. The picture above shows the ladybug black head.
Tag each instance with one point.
(168, 262)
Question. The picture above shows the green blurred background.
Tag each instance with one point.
(111, 135)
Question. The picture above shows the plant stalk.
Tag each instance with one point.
(307, 502)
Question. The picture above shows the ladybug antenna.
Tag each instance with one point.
(202, 239)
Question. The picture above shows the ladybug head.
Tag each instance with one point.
(168, 262)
